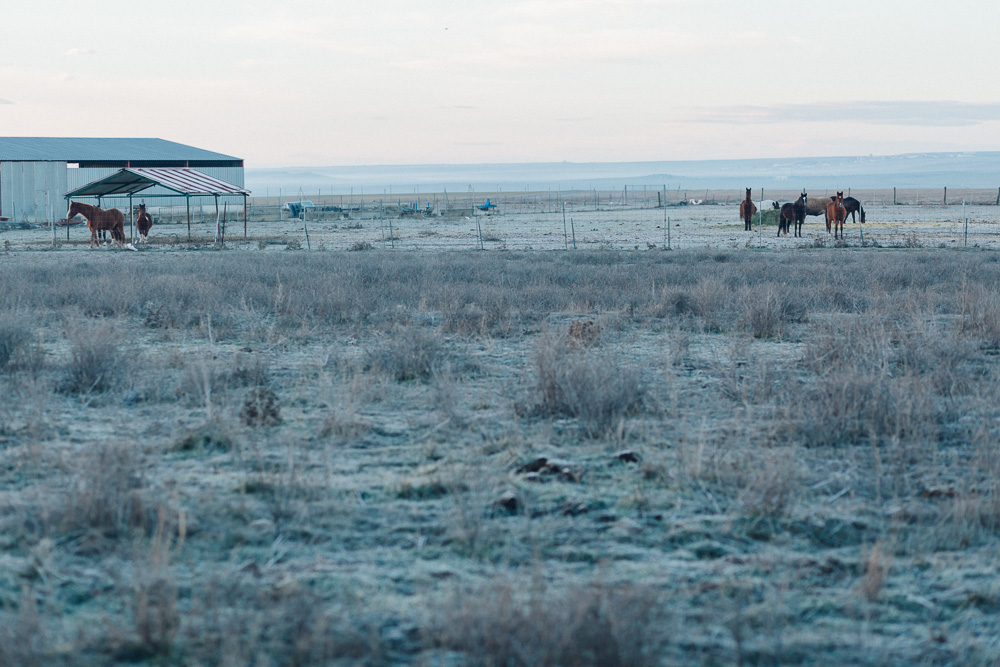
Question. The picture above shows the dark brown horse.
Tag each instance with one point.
(144, 223)
(853, 206)
(794, 213)
(112, 220)
(836, 214)
(747, 209)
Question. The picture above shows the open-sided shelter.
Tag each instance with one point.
(169, 182)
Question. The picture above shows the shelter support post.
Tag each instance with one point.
(188, 200)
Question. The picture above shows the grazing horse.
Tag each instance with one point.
(853, 206)
(97, 219)
(747, 209)
(836, 214)
(144, 223)
(793, 213)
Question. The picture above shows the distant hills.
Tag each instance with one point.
(912, 170)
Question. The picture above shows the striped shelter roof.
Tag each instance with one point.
(182, 180)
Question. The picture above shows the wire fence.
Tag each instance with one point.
(636, 197)
(630, 218)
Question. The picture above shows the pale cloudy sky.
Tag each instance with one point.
(304, 82)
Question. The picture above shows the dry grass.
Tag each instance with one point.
(530, 622)
(332, 458)
(109, 493)
(596, 389)
(14, 334)
(98, 364)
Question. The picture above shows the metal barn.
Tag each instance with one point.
(35, 172)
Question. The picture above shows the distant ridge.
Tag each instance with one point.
(910, 170)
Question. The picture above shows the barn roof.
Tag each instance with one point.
(181, 180)
(68, 149)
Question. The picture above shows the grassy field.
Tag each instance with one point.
(504, 458)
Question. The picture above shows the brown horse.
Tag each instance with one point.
(144, 223)
(793, 213)
(112, 220)
(836, 214)
(747, 209)
(853, 206)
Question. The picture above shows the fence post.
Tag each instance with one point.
(760, 219)
(966, 218)
(565, 240)
(945, 199)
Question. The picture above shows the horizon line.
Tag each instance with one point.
(601, 162)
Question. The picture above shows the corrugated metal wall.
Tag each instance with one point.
(32, 191)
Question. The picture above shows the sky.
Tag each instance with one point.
(367, 82)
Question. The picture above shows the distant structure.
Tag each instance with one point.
(35, 172)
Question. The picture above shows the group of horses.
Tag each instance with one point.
(834, 207)
(110, 220)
